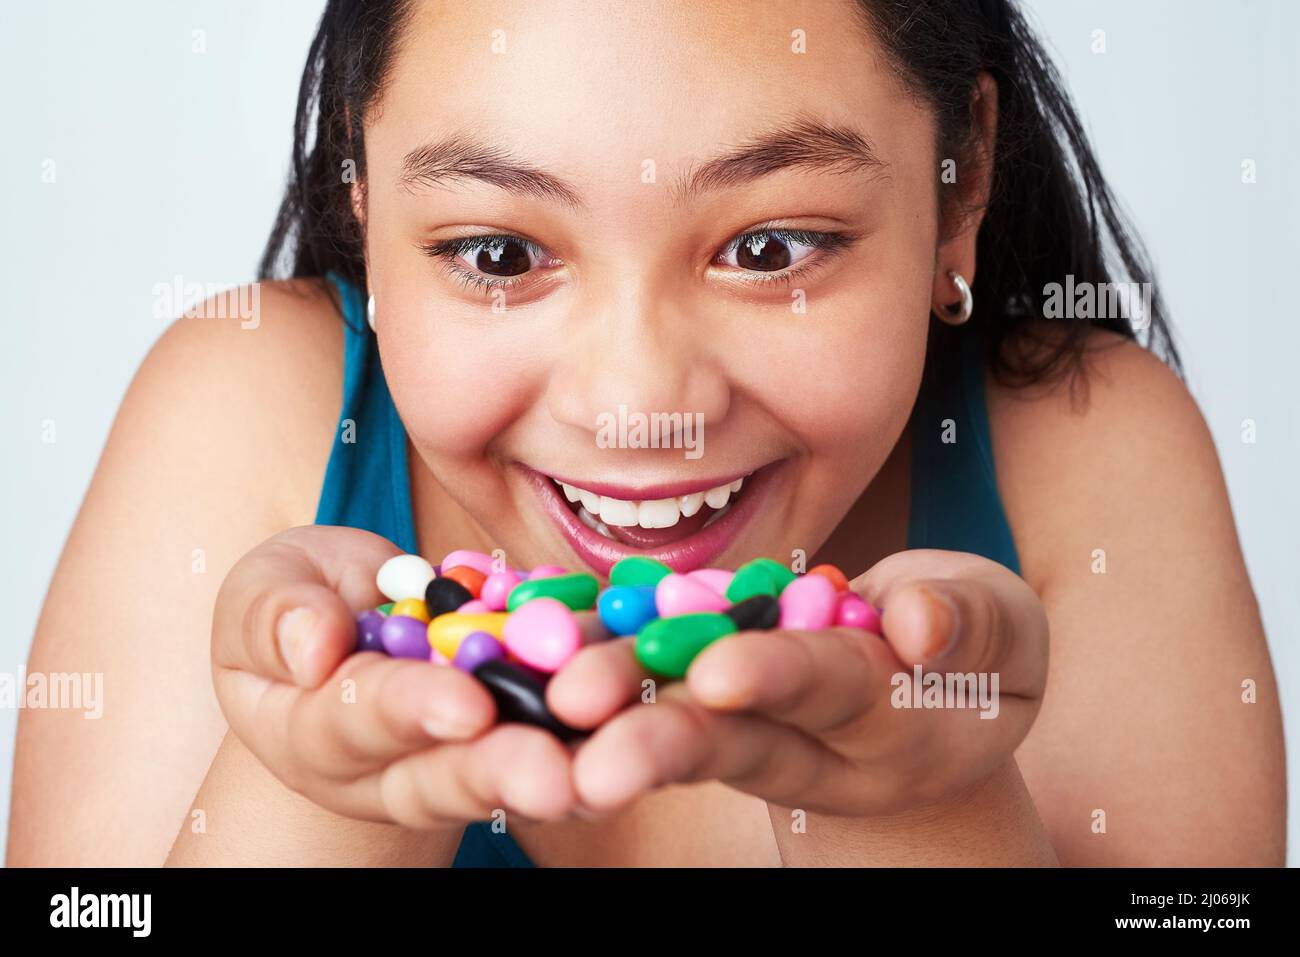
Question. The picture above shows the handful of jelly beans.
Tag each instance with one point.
(512, 629)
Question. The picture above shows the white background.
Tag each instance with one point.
(170, 163)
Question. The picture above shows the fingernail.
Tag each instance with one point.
(292, 632)
(944, 611)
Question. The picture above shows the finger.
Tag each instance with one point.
(514, 768)
(983, 625)
(961, 612)
(285, 611)
(816, 681)
(676, 740)
(377, 709)
(597, 683)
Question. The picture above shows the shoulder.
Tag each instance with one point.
(220, 442)
(1120, 440)
(253, 378)
(1121, 516)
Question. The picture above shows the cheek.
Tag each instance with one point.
(460, 375)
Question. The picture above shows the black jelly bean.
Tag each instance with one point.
(445, 594)
(520, 695)
(755, 612)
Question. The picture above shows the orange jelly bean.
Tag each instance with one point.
(471, 578)
(833, 574)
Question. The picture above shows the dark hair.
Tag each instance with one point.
(1050, 213)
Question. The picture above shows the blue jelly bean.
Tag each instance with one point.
(405, 637)
(625, 608)
(476, 648)
(368, 625)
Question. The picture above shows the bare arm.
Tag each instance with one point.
(219, 442)
(1124, 528)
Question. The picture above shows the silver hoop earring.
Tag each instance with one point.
(370, 312)
(959, 312)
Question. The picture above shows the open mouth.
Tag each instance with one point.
(685, 525)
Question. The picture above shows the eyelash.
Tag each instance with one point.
(827, 243)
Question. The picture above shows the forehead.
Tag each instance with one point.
(597, 88)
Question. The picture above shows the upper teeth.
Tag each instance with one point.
(652, 513)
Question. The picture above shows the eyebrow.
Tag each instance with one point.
(804, 143)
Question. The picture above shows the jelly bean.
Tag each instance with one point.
(444, 595)
(758, 612)
(780, 573)
(496, 589)
(716, 578)
(809, 602)
(404, 576)
(476, 648)
(831, 574)
(853, 612)
(437, 657)
(543, 634)
(471, 578)
(411, 608)
(751, 579)
(475, 607)
(667, 646)
(546, 571)
(386, 609)
(521, 697)
(636, 570)
(680, 595)
(446, 632)
(624, 609)
(404, 637)
(368, 626)
(462, 558)
(577, 590)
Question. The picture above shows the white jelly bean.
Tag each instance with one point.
(404, 576)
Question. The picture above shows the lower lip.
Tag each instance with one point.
(692, 552)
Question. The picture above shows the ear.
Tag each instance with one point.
(963, 216)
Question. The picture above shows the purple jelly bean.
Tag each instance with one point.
(369, 624)
(476, 648)
(405, 637)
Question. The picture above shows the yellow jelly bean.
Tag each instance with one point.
(411, 608)
(446, 632)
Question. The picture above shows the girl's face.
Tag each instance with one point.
(713, 225)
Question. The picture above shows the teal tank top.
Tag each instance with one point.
(955, 503)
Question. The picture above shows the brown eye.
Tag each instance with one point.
(763, 252)
(504, 257)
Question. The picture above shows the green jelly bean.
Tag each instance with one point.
(667, 646)
(780, 574)
(638, 571)
(751, 579)
(576, 589)
(386, 609)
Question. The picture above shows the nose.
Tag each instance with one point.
(636, 347)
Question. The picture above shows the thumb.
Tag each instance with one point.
(982, 624)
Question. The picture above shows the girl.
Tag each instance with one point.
(828, 230)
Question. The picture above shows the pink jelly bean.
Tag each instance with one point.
(543, 634)
(496, 589)
(475, 607)
(717, 579)
(463, 556)
(437, 657)
(808, 602)
(681, 595)
(856, 613)
(546, 571)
